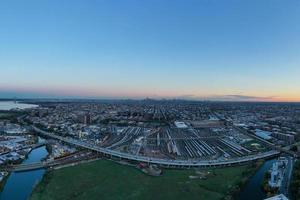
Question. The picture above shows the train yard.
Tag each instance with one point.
(182, 144)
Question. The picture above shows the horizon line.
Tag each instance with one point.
(140, 99)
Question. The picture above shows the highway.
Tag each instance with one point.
(158, 161)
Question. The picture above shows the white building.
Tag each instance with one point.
(277, 172)
(180, 124)
(278, 197)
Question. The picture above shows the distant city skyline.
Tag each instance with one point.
(195, 50)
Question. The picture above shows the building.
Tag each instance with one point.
(285, 137)
(275, 176)
(278, 197)
(266, 135)
(180, 124)
(87, 119)
(277, 172)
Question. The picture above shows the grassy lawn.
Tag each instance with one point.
(5, 114)
(9, 115)
(107, 180)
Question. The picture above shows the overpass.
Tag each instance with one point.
(159, 161)
(70, 159)
(40, 144)
(29, 166)
(32, 166)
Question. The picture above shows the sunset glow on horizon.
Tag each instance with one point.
(205, 50)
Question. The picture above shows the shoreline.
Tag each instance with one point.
(246, 180)
(4, 180)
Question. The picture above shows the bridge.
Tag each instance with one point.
(32, 166)
(70, 159)
(29, 166)
(159, 161)
(40, 144)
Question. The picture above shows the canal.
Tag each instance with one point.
(19, 185)
(252, 189)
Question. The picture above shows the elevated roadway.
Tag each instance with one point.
(32, 166)
(70, 159)
(158, 161)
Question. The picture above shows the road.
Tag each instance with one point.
(284, 189)
(165, 162)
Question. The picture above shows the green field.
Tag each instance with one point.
(108, 180)
(5, 115)
(9, 115)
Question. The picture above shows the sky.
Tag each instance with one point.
(246, 50)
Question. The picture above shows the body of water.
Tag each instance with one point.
(19, 185)
(252, 189)
(8, 105)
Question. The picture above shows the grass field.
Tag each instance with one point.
(9, 115)
(107, 180)
(5, 115)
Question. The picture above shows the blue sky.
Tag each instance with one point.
(202, 49)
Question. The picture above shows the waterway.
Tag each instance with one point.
(252, 189)
(8, 105)
(19, 185)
